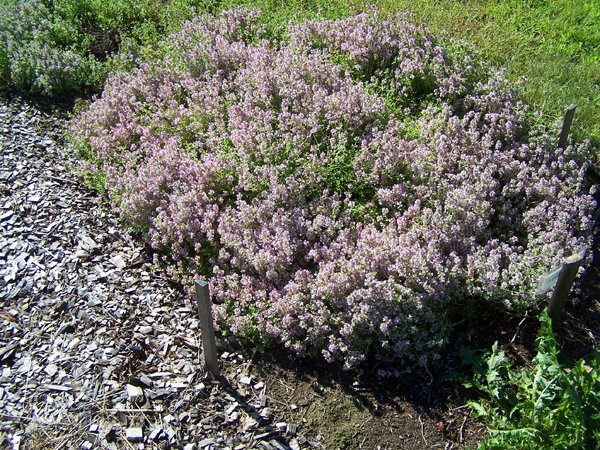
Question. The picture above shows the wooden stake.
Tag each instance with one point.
(564, 134)
(565, 281)
(206, 325)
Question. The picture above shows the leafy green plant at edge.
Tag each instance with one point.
(546, 406)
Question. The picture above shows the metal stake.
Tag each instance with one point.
(206, 325)
(565, 281)
(562, 141)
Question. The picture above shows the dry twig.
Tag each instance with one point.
(518, 329)
(422, 429)
(462, 427)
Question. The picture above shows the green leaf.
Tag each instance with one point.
(478, 408)
(545, 407)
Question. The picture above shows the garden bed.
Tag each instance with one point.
(350, 190)
(366, 204)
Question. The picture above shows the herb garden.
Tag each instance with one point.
(352, 188)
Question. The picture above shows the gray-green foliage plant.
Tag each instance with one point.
(549, 405)
(41, 50)
(69, 46)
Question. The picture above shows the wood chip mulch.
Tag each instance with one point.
(97, 348)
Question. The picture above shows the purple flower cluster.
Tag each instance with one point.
(345, 188)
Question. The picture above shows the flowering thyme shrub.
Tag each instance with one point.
(345, 189)
(67, 46)
(40, 53)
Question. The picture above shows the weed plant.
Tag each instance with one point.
(547, 405)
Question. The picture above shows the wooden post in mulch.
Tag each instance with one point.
(564, 133)
(206, 325)
(561, 279)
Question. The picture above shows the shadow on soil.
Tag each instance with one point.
(424, 409)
